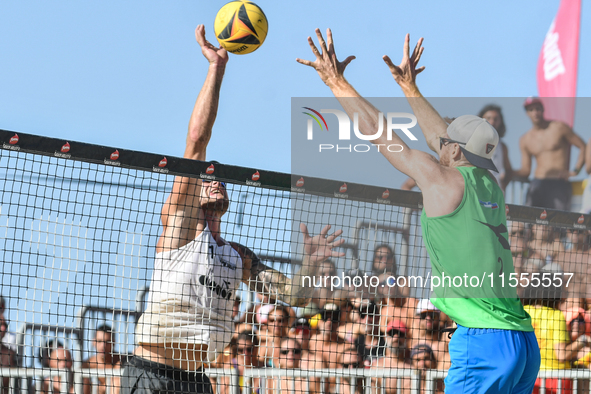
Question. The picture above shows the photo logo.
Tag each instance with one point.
(344, 130)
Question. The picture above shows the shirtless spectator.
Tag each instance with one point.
(545, 243)
(428, 330)
(519, 236)
(375, 343)
(394, 306)
(301, 331)
(7, 355)
(291, 358)
(243, 350)
(577, 260)
(396, 357)
(350, 359)
(61, 358)
(424, 358)
(272, 331)
(549, 142)
(105, 358)
(327, 341)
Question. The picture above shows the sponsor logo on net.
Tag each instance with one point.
(384, 198)
(253, 181)
(344, 132)
(12, 143)
(542, 219)
(299, 186)
(342, 193)
(64, 151)
(580, 223)
(161, 166)
(112, 160)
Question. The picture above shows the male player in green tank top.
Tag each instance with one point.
(494, 349)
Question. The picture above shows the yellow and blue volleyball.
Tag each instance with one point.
(241, 27)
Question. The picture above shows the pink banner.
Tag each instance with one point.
(557, 66)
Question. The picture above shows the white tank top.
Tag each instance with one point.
(192, 294)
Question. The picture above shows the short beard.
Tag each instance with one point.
(216, 206)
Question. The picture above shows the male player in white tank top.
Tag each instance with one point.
(196, 272)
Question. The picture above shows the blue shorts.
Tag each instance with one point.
(486, 360)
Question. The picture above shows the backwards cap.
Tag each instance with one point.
(478, 137)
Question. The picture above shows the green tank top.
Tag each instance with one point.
(470, 256)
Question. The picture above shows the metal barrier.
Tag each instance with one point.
(418, 384)
(323, 374)
(121, 321)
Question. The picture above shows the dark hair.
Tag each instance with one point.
(247, 335)
(45, 350)
(391, 251)
(104, 328)
(369, 309)
(493, 107)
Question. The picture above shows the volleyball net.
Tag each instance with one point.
(79, 225)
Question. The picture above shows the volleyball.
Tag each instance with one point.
(241, 27)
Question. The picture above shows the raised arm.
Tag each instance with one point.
(432, 124)
(274, 284)
(577, 141)
(182, 215)
(419, 165)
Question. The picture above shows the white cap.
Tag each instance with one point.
(479, 138)
(425, 305)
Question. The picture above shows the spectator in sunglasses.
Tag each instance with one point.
(428, 331)
(397, 357)
(327, 342)
(350, 359)
(273, 328)
(290, 357)
(244, 349)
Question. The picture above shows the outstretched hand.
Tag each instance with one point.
(213, 54)
(326, 63)
(406, 73)
(320, 247)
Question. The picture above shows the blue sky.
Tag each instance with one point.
(126, 74)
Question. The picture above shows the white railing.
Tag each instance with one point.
(421, 382)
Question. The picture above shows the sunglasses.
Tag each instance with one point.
(332, 315)
(444, 141)
(206, 182)
(244, 350)
(432, 315)
(353, 365)
(296, 352)
(396, 332)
